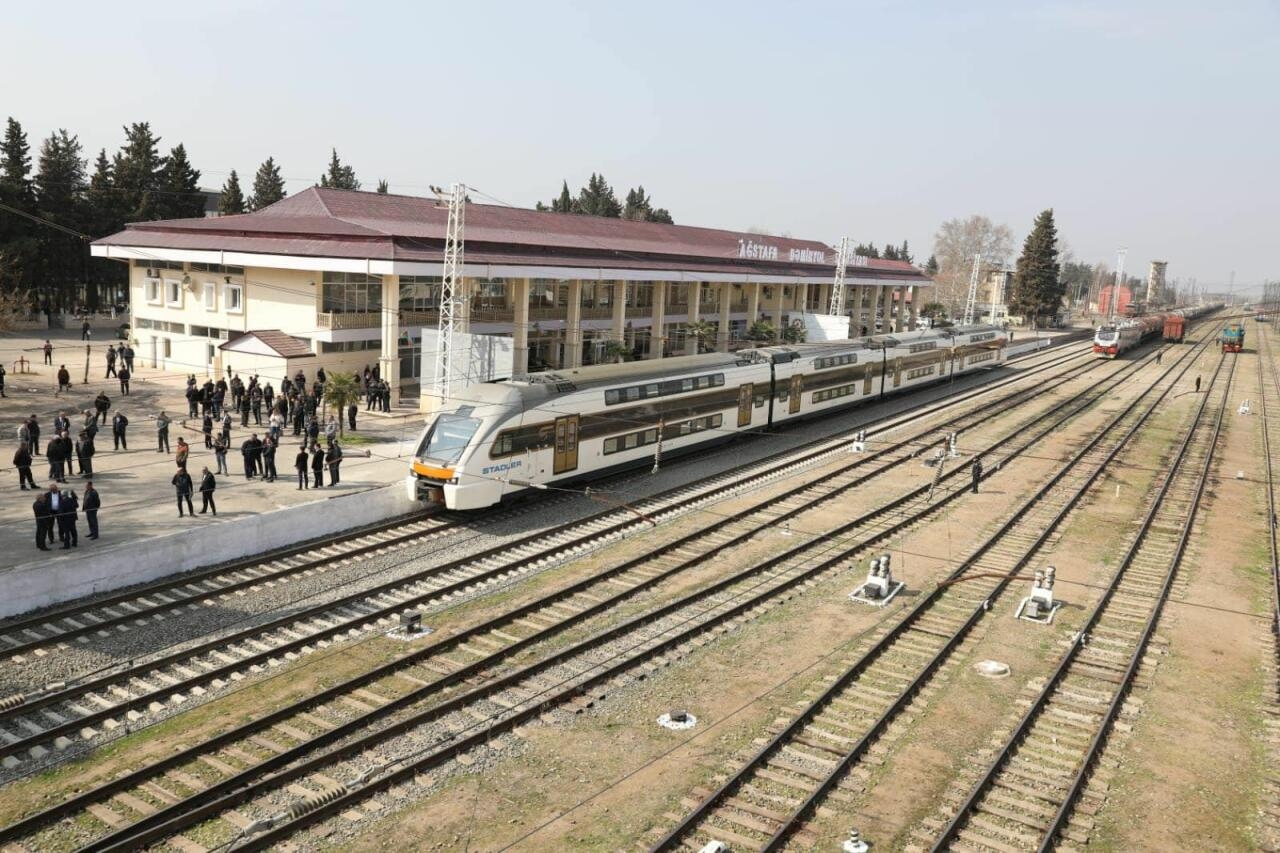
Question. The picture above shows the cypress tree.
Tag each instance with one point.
(563, 204)
(383, 187)
(231, 199)
(15, 166)
(268, 186)
(339, 177)
(179, 195)
(104, 216)
(904, 253)
(931, 266)
(659, 214)
(1037, 291)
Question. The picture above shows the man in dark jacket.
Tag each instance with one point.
(92, 503)
(118, 426)
(207, 485)
(269, 460)
(317, 466)
(300, 463)
(33, 435)
(162, 433)
(53, 454)
(976, 473)
(22, 461)
(68, 505)
(102, 403)
(44, 520)
(85, 450)
(182, 485)
(111, 361)
(333, 458)
(128, 357)
(351, 415)
(64, 379)
(123, 376)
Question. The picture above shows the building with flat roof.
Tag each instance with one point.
(345, 279)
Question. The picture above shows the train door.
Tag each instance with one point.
(897, 372)
(797, 388)
(566, 454)
(868, 374)
(745, 396)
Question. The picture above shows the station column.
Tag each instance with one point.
(753, 304)
(520, 327)
(722, 333)
(573, 326)
(658, 328)
(695, 316)
(389, 357)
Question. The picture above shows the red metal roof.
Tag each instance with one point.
(325, 222)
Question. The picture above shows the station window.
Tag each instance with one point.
(153, 291)
(173, 292)
(210, 292)
(233, 298)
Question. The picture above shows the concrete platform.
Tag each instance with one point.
(138, 501)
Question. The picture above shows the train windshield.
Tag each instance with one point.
(1106, 334)
(447, 438)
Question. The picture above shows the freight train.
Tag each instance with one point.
(545, 430)
(1114, 339)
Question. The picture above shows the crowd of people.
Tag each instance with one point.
(213, 406)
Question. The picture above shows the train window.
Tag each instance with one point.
(834, 393)
(922, 371)
(650, 436)
(447, 438)
(921, 347)
(610, 445)
(614, 396)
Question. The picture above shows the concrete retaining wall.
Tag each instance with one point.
(52, 581)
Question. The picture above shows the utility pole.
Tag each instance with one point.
(837, 286)
(1115, 291)
(973, 290)
(450, 287)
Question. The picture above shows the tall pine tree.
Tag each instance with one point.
(179, 195)
(60, 188)
(339, 177)
(1037, 290)
(19, 245)
(105, 216)
(268, 186)
(138, 167)
(564, 203)
(231, 199)
(597, 199)
(931, 266)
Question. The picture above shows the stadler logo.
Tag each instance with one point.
(505, 466)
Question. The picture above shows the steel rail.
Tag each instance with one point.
(855, 752)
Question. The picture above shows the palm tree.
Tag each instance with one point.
(700, 330)
(761, 331)
(615, 351)
(796, 333)
(341, 391)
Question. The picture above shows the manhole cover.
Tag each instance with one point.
(992, 669)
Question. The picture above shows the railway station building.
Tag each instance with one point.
(345, 280)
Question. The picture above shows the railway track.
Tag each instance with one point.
(766, 800)
(1268, 832)
(510, 631)
(1027, 797)
(62, 715)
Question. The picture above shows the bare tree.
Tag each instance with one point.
(955, 244)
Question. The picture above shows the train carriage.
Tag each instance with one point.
(554, 428)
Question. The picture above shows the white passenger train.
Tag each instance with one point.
(497, 439)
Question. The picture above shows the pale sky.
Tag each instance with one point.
(1154, 126)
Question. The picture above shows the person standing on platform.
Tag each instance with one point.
(86, 332)
(44, 520)
(2, 394)
(22, 461)
(184, 453)
(269, 460)
(92, 503)
(101, 405)
(300, 463)
(207, 485)
(317, 466)
(48, 352)
(206, 427)
(976, 473)
(119, 424)
(162, 433)
(226, 428)
(182, 485)
(64, 379)
(351, 415)
(86, 451)
(220, 455)
(124, 376)
(111, 361)
(32, 438)
(128, 357)
(246, 453)
(67, 518)
(1197, 384)
(334, 459)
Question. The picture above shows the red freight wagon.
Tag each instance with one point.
(1175, 326)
